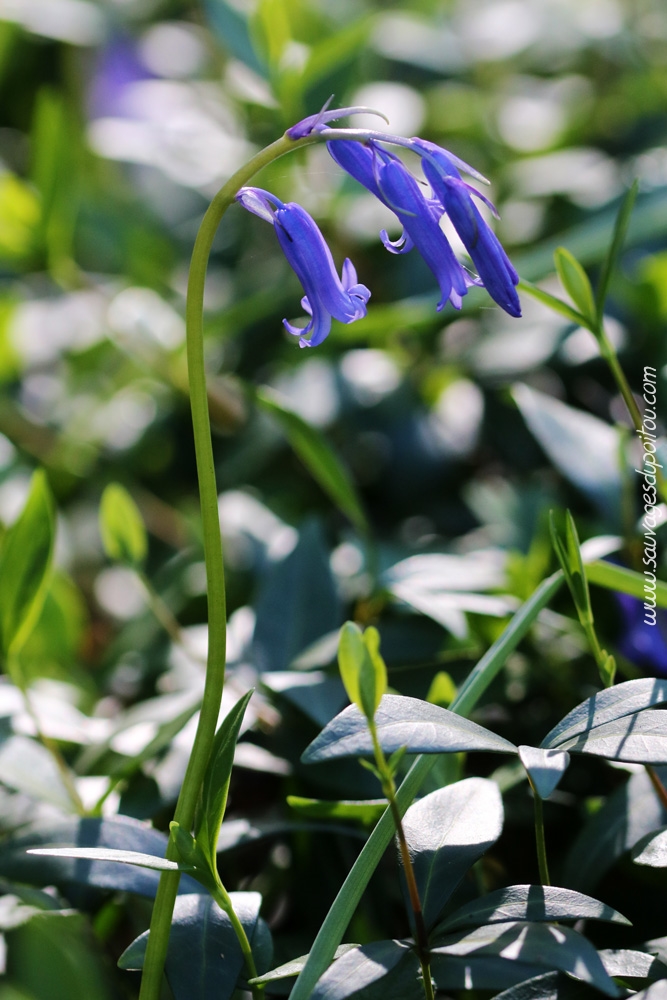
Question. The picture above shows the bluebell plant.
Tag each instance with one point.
(420, 210)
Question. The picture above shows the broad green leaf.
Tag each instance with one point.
(25, 562)
(530, 902)
(548, 986)
(216, 780)
(56, 955)
(409, 722)
(122, 527)
(651, 850)
(628, 964)
(553, 302)
(606, 574)
(447, 831)
(606, 706)
(107, 854)
(366, 811)
(331, 932)
(632, 811)
(118, 834)
(584, 448)
(200, 934)
(380, 969)
(545, 768)
(620, 230)
(293, 968)
(298, 603)
(535, 944)
(480, 972)
(575, 282)
(639, 739)
(319, 458)
(336, 50)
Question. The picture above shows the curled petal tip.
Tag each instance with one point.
(318, 122)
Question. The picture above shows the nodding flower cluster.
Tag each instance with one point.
(419, 210)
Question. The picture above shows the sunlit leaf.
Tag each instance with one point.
(553, 947)
(118, 834)
(530, 902)
(400, 721)
(372, 972)
(605, 707)
(545, 768)
(447, 831)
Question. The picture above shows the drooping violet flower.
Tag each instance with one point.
(369, 163)
(310, 258)
(390, 181)
(456, 197)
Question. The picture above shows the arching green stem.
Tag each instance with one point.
(215, 574)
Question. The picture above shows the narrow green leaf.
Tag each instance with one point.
(191, 854)
(351, 654)
(402, 722)
(366, 811)
(122, 527)
(373, 679)
(554, 303)
(447, 831)
(575, 282)
(106, 854)
(25, 563)
(319, 458)
(605, 574)
(331, 932)
(216, 780)
(293, 968)
(620, 229)
(530, 902)
(607, 669)
(577, 565)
